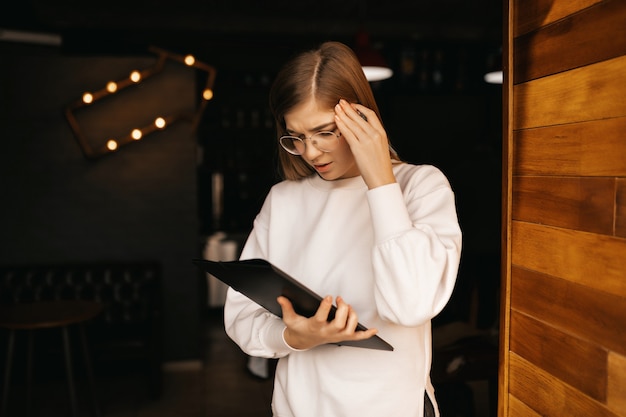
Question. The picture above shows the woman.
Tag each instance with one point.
(350, 220)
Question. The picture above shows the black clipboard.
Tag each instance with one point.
(262, 282)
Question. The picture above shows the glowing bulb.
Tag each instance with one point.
(190, 60)
(87, 98)
(495, 77)
(207, 94)
(111, 87)
(136, 134)
(111, 145)
(159, 122)
(135, 76)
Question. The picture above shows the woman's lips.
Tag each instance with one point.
(322, 167)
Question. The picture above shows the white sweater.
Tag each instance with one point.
(391, 252)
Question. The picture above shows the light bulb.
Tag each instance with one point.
(190, 60)
(136, 134)
(159, 122)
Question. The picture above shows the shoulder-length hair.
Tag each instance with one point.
(327, 74)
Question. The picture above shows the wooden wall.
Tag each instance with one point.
(563, 346)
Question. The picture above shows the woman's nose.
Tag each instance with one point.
(310, 151)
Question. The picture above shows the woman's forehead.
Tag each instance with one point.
(309, 116)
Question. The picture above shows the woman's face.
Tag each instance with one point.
(307, 119)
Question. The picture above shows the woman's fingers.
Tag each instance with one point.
(303, 333)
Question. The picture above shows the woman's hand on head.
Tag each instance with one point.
(306, 333)
(368, 142)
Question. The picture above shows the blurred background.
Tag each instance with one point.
(165, 198)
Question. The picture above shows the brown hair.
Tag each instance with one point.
(327, 74)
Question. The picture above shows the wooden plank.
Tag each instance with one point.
(571, 202)
(596, 261)
(550, 396)
(519, 409)
(507, 169)
(617, 383)
(555, 351)
(532, 14)
(583, 312)
(593, 35)
(578, 95)
(595, 148)
(620, 207)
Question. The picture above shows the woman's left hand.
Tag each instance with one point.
(368, 142)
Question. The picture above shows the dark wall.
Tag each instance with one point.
(137, 204)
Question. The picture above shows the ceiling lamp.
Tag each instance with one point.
(494, 77)
(494, 74)
(374, 65)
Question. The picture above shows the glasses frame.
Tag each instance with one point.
(303, 141)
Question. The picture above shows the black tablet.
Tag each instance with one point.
(262, 282)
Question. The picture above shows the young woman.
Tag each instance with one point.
(379, 237)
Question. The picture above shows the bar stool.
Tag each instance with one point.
(48, 314)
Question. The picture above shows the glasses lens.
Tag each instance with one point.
(324, 141)
(292, 145)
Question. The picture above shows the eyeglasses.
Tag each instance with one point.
(325, 141)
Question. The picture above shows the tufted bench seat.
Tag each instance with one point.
(127, 332)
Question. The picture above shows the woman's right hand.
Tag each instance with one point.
(305, 333)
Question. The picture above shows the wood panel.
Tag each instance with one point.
(541, 53)
(571, 202)
(565, 282)
(519, 409)
(588, 314)
(594, 148)
(532, 14)
(620, 206)
(550, 396)
(555, 351)
(617, 383)
(578, 95)
(596, 261)
(507, 164)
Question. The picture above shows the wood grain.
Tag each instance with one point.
(541, 52)
(550, 396)
(532, 14)
(555, 351)
(617, 383)
(570, 202)
(620, 207)
(590, 315)
(596, 261)
(578, 95)
(519, 409)
(595, 148)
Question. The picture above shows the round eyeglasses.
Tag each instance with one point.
(325, 141)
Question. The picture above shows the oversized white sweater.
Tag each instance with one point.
(391, 252)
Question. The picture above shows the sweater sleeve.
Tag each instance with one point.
(256, 331)
(417, 247)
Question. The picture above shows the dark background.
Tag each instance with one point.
(152, 200)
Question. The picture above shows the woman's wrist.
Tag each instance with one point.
(290, 343)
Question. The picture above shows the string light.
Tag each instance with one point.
(136, 134)
(159, 122)
(190, 60)
(134, 78)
